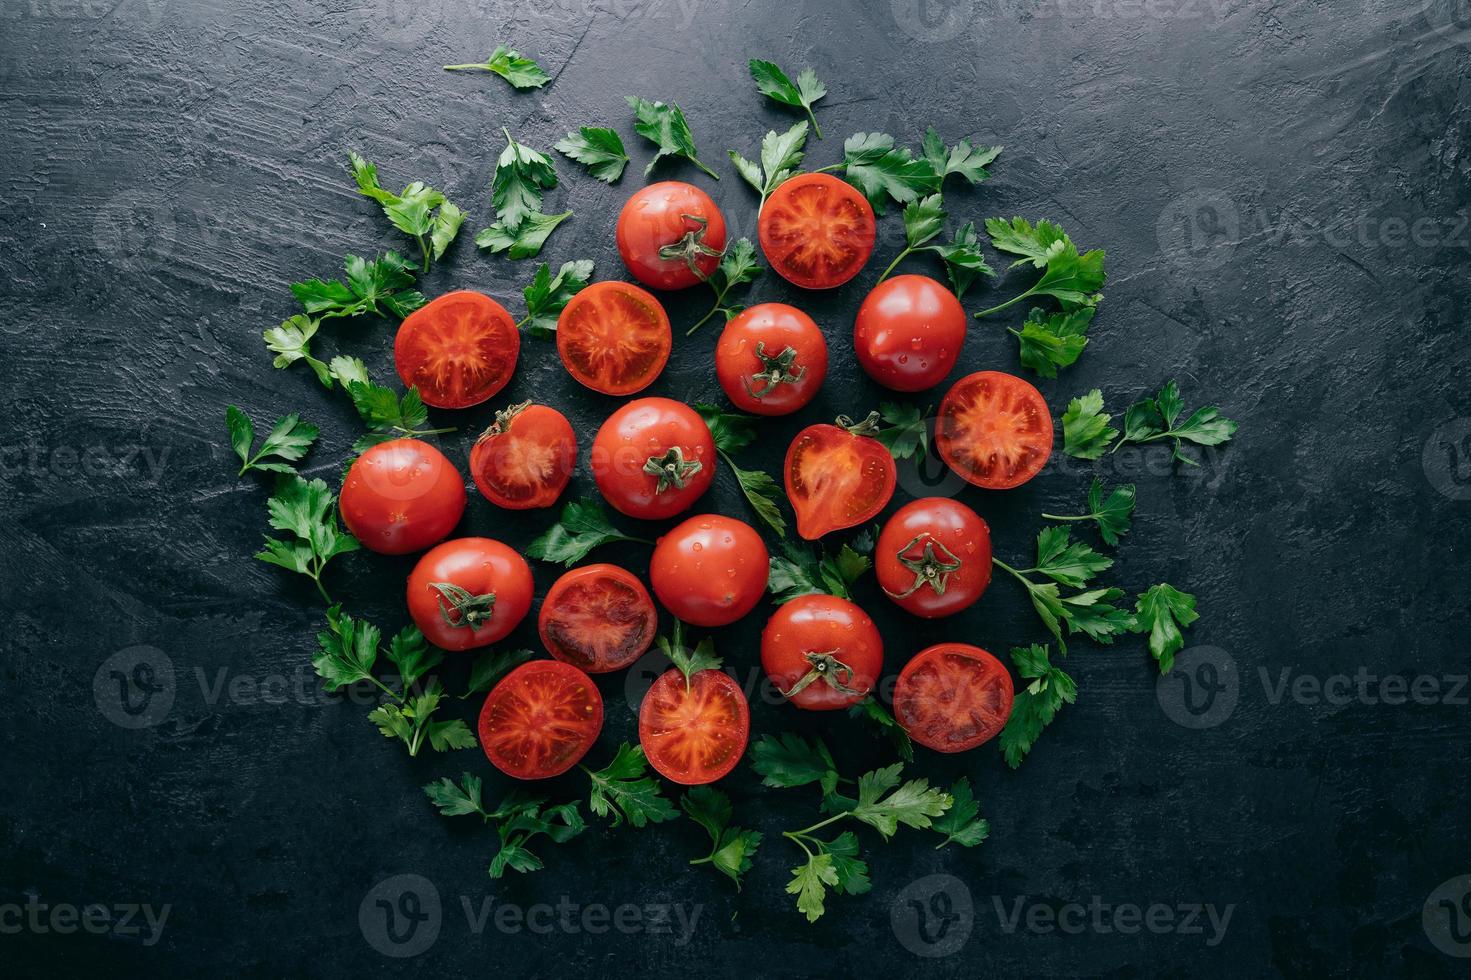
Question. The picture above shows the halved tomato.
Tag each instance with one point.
(598, 618)
(817, 231)
(952, 697)
(614, 338)
(525, 458)
(459, 349)
(994, 430)
(540, 720)
(694, 734)
(837, 476)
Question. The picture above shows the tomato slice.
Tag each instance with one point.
(994, 430)
(459, 349)
(540, 719)
(614, 338)
(952, 697)
(598, 618)
(525, 458)
(817, 231)
(694, 735)
(836, 479)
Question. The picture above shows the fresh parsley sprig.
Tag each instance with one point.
(547, 295)
(598, 149)
(491, 666)
(906, 434)
(801, 570)
(689, 661)
(882, 720)
(883, 171)
(520, 71)
(732, 432)
(1087, 433)
(624, 790)
(1162, 612)
(305, 509)
(521, 175)
(924, 219)
(518, 820)
(1072, 279)
(1035, 705)
(738, 267)
(288, 441)
(967, 161)
(962, 824)
(1112, 513)
(387, 415)
(583, 526)
(781, 153)
(773, 83)
(1049, 341)
(664, 125)
(731, 848)
(1074, 565)
(419, 211)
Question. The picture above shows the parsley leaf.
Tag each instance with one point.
(1091, 612)
(521, 174)
(547, 295)
(924, 219)
(798, 571)
(288, 440)
(454, 800)
(521, 72)
(1085, 429)
(386, 415)
(381, 286)
(731, 847)
(773, 83)
(1035, 705)
(874, 165)
(1035, 244)
(524, 240)
(780, 155)
(733, 432)
(491, 666)
(912, 804)
(664, 125)
(598, 149)
(306, 510)
(1155, 418)
(1070, 563)
(623, 789)
(419, 211)
(291, 342)
(808, 881)
(519, 820)
(582, 527)
(688, 662)
(962, 823)
(1163, 611)
(1073, 279)
(1112, 514)
(968, 161)
(1049, 342)
(786, 761)
(907, 436)
(738, 266)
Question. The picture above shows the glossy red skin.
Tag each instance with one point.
(619, 327)
(539, 700)
(821, 624)
(712, 713)
(402, 496)
(938, 690)
(909, 333)
(777, 326)
(710, 570)
(1020, 419)
(606, 600)
(527, 462)
(479, 566)
(644, 428)
(653, 218)
(466, 376)
(945, 522)
(835, 479)
(817, 231)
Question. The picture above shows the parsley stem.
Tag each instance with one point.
(998, 309)
(830, 167)
(815, 128)
(808, 832)
(897, 259)
(719, 299)
(1055, 517)
(466, 67)
(707, 170)
(317, 578)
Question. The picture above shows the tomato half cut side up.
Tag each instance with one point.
(952, 697)
(540, 720)
(598, 618)
(817, 231)
(614, 338)
(994, 430)
(837, 477)
(459, 349)
(694, 735)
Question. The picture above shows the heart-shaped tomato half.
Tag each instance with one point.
(837, 478)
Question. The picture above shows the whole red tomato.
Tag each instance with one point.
(469, 592)
(525, 458)
(771, 359)
(837, 476)
(909, 333)
(933, 557)
(817, 231)
(822, 652)
(671, 235)
(653, 458)
(459, 349)
(952, 697)
(402, 496)
(710, 570)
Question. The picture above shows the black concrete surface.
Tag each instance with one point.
(1282, 189)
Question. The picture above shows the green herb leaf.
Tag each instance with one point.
(773, 83)
(491, 666)
(907, 435)
(583, 526)
(419, 211)
(912, 804)
(291, 342)
(924, 218)
(964, 263)
(731, 431)
(798, 572)
(968, 161)
(600, 150)
(1163, 611)
(524, 240)
(1072, 279)
(786, 761)
(781, 153)
(348, 650)
(882, 719)
(548, 295)
(521, 72)
(689, 662)
(413, 656)
(731, 847)
(624, 790)
(521, 174)
(962, 824)
(1154, 418)
(873, 164)
(1073, 564)
(1086, 433)
(738, 266)
(455, 800)
(664, 125)
(305, 509)
(288, 440)
(520, 820)
(1112, 514)
(1037, 244)
(1052, 341)
(1035, 705)
(808, 881)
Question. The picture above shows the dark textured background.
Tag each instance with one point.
(1282, 191)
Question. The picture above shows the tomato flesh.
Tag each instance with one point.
(598, 618)
(817, 231)
(540, 720)
(696, 735)
(835, 479)
(459, 349)
(952, 697)
(614, 338)
(994, 430)
(525, 459)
